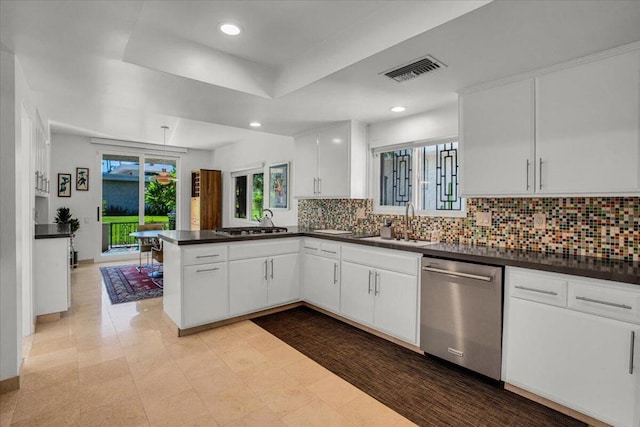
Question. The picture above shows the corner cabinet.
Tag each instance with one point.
(52, 277)
(263, 275)
(331, 162)
(380, 289)
(321, 264)
(574, 341)
(196, 286)
(570, 131)
(206, 199)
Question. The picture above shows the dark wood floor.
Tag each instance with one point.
(425, 390)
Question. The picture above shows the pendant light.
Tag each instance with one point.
(163, 176)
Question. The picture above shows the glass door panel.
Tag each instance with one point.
(120, 203)
(160, 192)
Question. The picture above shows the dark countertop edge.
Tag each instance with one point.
(546, 261)
(50, 231)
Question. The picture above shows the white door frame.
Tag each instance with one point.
(142, 158)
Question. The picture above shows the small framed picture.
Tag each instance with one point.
(64, 185)
(82, 179)
(279, 186)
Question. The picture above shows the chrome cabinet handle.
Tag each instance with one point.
(265, 270)
(458, 274)
(376, 289)
(309, 247)
(207, 256)
(612, 304)
(315, 180)
(540, 177)
(37, 181)
(329, 252)
(370, 274)
(536, 290)
(528, 164)
(319, 186)
(272, 268)
(335, 273)
(208, 269)
(632, 345)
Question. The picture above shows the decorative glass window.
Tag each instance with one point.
(248, 195)
(424, 174)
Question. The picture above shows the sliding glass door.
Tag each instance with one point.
(135, 189)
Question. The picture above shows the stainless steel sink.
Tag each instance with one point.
(413, 243)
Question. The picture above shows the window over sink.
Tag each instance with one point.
(425, 173)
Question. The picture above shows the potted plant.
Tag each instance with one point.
(64, 217)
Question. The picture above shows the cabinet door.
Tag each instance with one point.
(284, 279)
(247, 285)
(587, 127)
(305, 165)
(578, 360)
(356, 292)
(322, 282)
(496, 140)
(205, 294)
(396, 304)
(333, 162)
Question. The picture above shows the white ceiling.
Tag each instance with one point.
(122, 69)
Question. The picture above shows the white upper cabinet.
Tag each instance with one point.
(587, 127)
(573, 131)
(497, 140)
(331, 162)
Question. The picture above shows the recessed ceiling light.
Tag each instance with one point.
(336, 140)
(255, 124)
(230, 29)
(398, 109)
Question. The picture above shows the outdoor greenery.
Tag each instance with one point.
(148, 219)
(160, 199)
(258, 196)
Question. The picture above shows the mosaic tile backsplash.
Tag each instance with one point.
(603, 227)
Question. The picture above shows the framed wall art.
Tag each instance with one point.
(279, 186)
(82, 179)
(64, 185)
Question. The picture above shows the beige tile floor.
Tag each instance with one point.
(121, 365)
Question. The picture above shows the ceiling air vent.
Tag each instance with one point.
(410, 71)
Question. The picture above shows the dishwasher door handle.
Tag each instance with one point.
(458, 274)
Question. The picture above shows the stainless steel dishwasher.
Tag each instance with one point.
(461, 314)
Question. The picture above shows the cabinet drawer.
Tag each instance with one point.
(538, 287)
(204, 254)
(608, 301)
(322, 248)
(311, 246)
(388, 259)
(255, 249)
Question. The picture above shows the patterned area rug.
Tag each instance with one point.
(124, 283)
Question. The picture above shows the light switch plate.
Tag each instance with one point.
(540, 221)
(483, 219)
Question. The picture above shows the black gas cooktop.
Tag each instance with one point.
(242, 231)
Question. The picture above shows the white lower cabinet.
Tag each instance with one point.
(263, 281)
(52, 277)
(321, 277)
(205, 293)
(379, 297)
(583, 361)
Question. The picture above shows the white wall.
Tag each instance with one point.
(16, 227)
(432, 124)
(71, 151)
(273, 149)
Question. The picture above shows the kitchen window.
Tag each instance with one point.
(424, 173)
(248, 194)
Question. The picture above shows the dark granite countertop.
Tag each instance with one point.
(52, 231)
(597, 268)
